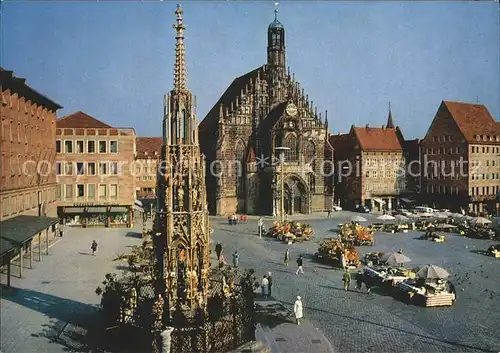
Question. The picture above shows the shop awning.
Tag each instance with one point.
(73, 210)
(96, 210)
(118, 209)
(380, 201)
(138, 208)
(406, 200)
(138, 203)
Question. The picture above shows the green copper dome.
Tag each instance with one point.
(276, 23)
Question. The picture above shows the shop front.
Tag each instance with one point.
(119, 216)
(72, 216)
(96, 216)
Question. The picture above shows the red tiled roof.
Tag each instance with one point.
(147, 146)
(377, 139)
(473, 119)
(82, 121)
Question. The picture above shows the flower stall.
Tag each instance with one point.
(291, 231)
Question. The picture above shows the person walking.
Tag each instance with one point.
(93, 247)
(329, 212)
(298, 310)
(287, 256)
(300, 262)
(222, 262)
(368, 283)
(218, 249)
(270, 283)
(260, 224)
(265, 286)
(236, 259)
(359, 280)
(347, 279)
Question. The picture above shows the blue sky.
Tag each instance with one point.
(114, 60)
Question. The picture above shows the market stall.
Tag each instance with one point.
(428, 289)
(291, 231)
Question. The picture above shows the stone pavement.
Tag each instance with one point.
(278, 330)
(356, 322)
(52, 306)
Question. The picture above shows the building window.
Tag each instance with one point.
(58, 192)
(79, 147)
(80, 191)
(69, 192)
(103, 168)
(68, 168)
(80, 168)
(90, 146)
(91, 192)
(91, 168)
(113, 146)
(312, 182)
(58, 146)
(68, 146)
(102, 192)
(113, 191)
(113, 168)
(240, 157)
(291, 143)
(102, 147)
(58, 168)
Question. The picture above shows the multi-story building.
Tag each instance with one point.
(146, 166)
(370, 167)
(461, 159)
(95, 169)
(28, 130)
(259, 112)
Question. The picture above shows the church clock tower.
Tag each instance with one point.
(182, 229)
(276, 47)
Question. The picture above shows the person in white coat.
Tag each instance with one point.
(297, 309)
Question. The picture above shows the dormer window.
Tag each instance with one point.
(145, 153)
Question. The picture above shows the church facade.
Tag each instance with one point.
(264, 137)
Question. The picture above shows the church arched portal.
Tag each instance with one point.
(296, 196)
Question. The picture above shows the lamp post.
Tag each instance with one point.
(282, 155)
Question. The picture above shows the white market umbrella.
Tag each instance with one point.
(401, 217)
(413, 215)
(432, 272)
(358, 219)
(386, 217)
(395, 258)
(457, 215)
(480, 220)
(440, 215)
(425, 214)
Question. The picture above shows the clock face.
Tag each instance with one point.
(291, 109)
(291, 124)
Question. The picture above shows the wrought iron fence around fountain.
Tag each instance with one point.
(227, 323)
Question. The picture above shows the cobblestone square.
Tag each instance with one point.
(43, 310)
(48, 305)
(357, 322)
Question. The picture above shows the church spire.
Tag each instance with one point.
(180, 83)
(390, 122)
